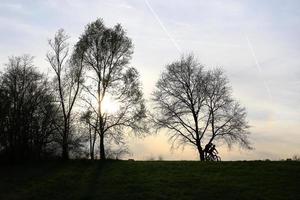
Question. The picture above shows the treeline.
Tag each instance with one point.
(94, 99)
(29, 116)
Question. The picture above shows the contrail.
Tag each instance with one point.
(163, 26)
(258, 67)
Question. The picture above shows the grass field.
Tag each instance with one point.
(151, 180)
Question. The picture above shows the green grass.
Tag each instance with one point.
(150, 180)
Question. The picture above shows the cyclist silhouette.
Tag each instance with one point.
(211, 152)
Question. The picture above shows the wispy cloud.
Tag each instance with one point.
(257, 64)
(163, 27)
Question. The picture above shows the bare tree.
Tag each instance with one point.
(197, 108)
(106, 53)
(68, 80)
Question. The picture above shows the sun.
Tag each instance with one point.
(109, 105)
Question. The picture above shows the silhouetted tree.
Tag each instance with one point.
(106, 53)
(27, 111)
(67, 82)
(197, 107)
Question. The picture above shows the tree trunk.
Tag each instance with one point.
(91, 143)
(102, 149)
(65, 150)
(200, 150)
(201, 154)
(65, 147)
(92, 155)
(93, 147)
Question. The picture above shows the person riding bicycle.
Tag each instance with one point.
(207, 147)
(214, 150)
(211, 152)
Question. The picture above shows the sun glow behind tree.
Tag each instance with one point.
(110, 105)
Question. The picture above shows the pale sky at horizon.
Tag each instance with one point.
(256, 42)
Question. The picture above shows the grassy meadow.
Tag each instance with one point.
(79, 179)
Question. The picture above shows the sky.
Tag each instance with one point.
(256, 42)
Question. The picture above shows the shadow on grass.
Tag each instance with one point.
(51, 180)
